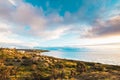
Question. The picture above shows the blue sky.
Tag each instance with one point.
(30, 23)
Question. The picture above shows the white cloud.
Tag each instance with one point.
(15, 19)
(24, 14)
(12, 2)
(55, 34)
(8, 38)
(44, 26)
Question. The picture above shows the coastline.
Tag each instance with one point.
(38, 67)
(109, 59)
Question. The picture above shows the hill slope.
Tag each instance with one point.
(16, 65)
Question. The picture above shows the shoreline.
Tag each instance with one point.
(79, 60)
(15, 65)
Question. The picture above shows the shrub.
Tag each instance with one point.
(81, 67)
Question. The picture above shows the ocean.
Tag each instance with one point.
(103, 55)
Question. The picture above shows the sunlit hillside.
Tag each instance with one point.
(28, 65)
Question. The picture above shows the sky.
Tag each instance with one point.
(45, 23)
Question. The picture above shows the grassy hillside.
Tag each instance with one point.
(28, 65)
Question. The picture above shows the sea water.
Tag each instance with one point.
(100, 55)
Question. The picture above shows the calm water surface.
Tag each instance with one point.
(106, 56)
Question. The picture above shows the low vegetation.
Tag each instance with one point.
(28, 65)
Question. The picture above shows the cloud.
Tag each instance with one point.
(57, 33)
(24, 14)
(23, 20)
(9, 39)
(18, 45)
(12, 2)
(110, 27)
